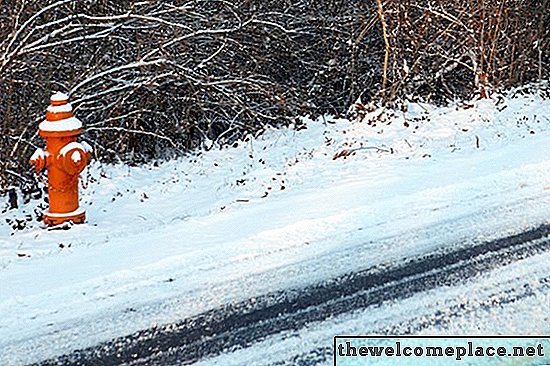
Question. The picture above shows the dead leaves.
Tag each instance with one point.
(344, 153)
(350, 152)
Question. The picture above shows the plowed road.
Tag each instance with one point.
(242, 325)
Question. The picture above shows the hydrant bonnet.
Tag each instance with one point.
(59, 117)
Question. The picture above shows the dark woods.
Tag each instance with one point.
(151, 79)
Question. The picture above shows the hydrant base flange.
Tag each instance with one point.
(77, 217)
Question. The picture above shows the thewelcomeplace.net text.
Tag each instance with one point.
(469, 349)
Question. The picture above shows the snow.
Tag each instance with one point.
(67, 124)
(72, 146)
(76, 157)
(282, 210)
(39, 154)
(86, 147)
(59, 97)
(65, 108)
(529, 315)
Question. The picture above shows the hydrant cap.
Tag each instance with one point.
(60, 118)
(59, 98)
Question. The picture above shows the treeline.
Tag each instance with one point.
(151, 79)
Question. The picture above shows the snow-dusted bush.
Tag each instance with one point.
(153, 78)
(444, 49)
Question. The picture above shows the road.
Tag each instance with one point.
(242, 325)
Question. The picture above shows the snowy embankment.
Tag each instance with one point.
(281, 210)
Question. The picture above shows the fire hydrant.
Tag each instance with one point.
(64, 160)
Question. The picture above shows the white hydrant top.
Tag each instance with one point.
(59, 96)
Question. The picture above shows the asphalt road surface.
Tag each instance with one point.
(241, 325)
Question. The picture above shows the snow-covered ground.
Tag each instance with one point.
(283, 209)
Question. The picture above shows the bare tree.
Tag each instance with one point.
(151, 79)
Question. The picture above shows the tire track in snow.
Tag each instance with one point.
(242, 324)
(440, 317)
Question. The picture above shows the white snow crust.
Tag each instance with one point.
(38, 154)
(67, 124)
(59, 96)
(71, 146)
(60, 108)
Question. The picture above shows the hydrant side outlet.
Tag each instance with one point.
(64, 159)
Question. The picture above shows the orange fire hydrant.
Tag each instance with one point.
(64, 159)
